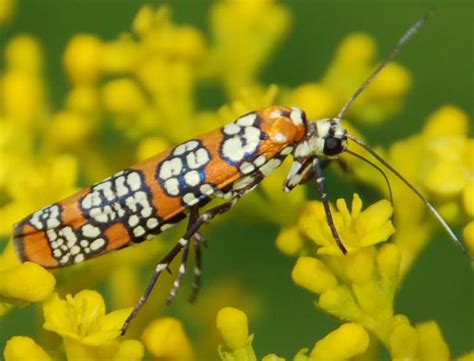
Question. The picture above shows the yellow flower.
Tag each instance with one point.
(87, 331)
(82, 59)
(7, 8)
(468, 235)
(353, 63)
(313, 274)
(356, 229)
(123, 97)
(83, 318)
(358, 287)
(243, 40)
(289, 241)
(452, 169)
(69, 130)
(166, 339)
(272, 357)
(24, 53)
(348, 341)
(20, 348)
(467, 357)
(233, 326)
(423, 342)
(22, 282)
(22, 95)
(317, 100)
(35, 184)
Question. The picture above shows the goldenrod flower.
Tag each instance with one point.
(21, 348)
(166, 339)
(21, 283)
(348, 341)
(467, 357)
(352, 64)
(87, 331)
(34, 185)
(83, 318)
(313, 274)
(272, 357)
(233, 326)
(317, 100)
(7, 8)
(289, 241)
(243, 40)
(356, 228)
(423, 342)
(82, 59)
(468, 235)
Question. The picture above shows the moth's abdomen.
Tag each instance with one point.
(107, 216)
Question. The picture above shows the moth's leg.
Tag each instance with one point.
(194, 224)
(179, 278)
(198, 242)
(318, 173)
(162, 265)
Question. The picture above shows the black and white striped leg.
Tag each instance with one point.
(198, 242)
(195, 222)
(179, 278)
(193, 216)
(318, 173)
(162, 265)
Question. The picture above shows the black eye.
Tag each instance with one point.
(332, 146)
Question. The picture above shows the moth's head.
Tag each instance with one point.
(327, 137)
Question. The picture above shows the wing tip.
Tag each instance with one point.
(19, 242)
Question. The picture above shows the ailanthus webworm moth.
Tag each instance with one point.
(144, 200)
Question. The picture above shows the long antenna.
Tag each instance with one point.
(387, 182)
(416, 191)
(393, 53)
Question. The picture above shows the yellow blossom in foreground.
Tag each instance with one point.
(22, 282)
(356, 228)
(88, 333)
(83, 318)
(166, 339)
(313, 274)
(348, 341)
(423, 342)
(233, 326)
(21, 348)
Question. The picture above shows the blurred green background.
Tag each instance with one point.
(440, 59)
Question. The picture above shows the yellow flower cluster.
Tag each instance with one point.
(441, 166)
(87, 332)
(348, 341)
(359, 287)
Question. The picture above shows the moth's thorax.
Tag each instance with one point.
(283, 125)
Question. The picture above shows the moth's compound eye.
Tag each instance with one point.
(333, 146)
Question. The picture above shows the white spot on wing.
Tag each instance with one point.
(247, 120)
